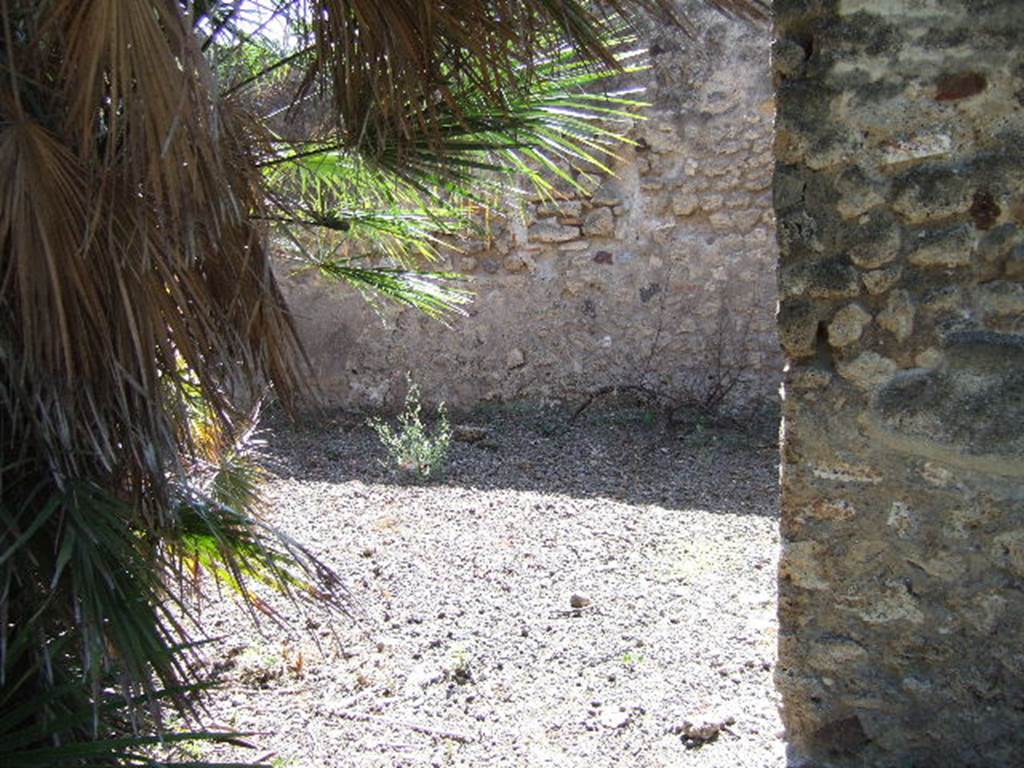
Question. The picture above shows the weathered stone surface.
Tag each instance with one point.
(997, 251)
(550, 231)
(847, 325)
(1008, 550)
(948, 248)
(931, 193)
(599, 223)
(918, 146)
(902, 570)
(803, 565)
(822, 279)
(842, 472)
(810, 378)
(868, 370)
(562, 208)
(839, 509)
(858, 193)
(975, 402)
(620, 286)
(928, 358)
(959, 85)
(879, 281)
(901, 519)
(685, 204)
(609, 193)
(876, 254)
(892, 604)
(1001, 299)
(519, 262)
(798, 328)
(515, 358)
(898, 315)
(1015, 264)
(984, 209)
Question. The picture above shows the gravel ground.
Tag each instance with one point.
(587, 594)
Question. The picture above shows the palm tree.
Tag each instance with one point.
(152, 153)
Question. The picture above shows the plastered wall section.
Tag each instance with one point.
(659, 279)
(899, 194)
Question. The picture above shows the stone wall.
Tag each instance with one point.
(899, 196)
(663, 277)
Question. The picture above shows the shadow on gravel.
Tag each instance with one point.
(624, 455)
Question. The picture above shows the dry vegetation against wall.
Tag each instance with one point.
(665, 268)
(900, 201)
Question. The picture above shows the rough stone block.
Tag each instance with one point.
(972, 404)
(928, 358)
(945, 248)
(868, 370)
(798, 328)
(599, 223)
(1002, 299)
(847, 325)
(820, 279)
(711, 203)
(685, 204)
(898, 315)
(1008, 549)
(1015, 264)
(879, 241)
(959, 85)
(609, 193)
(931, 193)
(570, 208)
(550, 231)
(858, 193)
(833, 509)
(881, 280)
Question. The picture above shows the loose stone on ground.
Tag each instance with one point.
(582, 595)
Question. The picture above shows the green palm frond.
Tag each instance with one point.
(45, 728)
(457, 144)
(409, 199)
(435, 294)
(365, 207)
(408, 63)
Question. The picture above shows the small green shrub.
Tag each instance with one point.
(411, 448)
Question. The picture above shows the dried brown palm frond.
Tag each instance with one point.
(134, 279)
(127, 234)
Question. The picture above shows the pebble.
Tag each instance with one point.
(578, 601)
(615, 718)
(421, 676)
(512, 571)
(704, 726)
(467, 433)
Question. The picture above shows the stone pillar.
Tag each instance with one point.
(899, 196)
